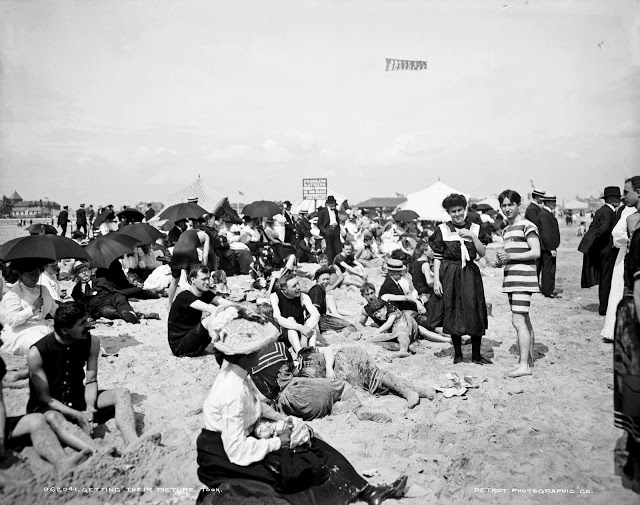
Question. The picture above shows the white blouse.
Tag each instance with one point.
(232, 409)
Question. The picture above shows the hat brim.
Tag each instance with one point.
(241, 336)
(394, 269)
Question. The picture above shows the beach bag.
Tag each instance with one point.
(299, 468)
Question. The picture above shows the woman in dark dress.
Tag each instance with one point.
(458, 305)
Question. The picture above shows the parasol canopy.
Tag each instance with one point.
(145, 233)
(131, 215)
(42, 229)
(183, 211)
(107, 248)
(261, 208)
(406, 215)
(51, 247)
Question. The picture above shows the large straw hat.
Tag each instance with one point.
(234, 333)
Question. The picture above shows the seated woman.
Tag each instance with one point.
(253, 470)
(26, 309)
(129, 287)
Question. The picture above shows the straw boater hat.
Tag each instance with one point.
(78, 266)
(394, 265)
(537, 193)
(233, 333)
(549, 198)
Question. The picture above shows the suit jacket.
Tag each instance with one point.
(532, 212)
(323, 219)
(101, 294)
(149, 213)
(63, 218)
(81, 217)
(304, 228)
(596, 245)
(549, 230)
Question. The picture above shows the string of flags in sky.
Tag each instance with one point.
(394, 64)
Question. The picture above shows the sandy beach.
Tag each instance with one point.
(506, 442)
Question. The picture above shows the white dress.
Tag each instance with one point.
(621, 241)
(23, 324)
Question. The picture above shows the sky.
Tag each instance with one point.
(120, 101)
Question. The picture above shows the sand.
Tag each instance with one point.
(506, 442)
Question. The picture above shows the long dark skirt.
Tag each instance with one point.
(216, 472)
(626, 394)
(464, 307)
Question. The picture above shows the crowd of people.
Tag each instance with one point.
(278, 366)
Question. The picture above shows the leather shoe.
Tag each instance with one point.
(375, 495)
(482, 361)
(457, 359)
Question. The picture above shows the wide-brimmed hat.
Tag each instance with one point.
(233, 333)
(394, 265)
(611, 191)
(537, 193)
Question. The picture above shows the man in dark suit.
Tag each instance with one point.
(329, 226)
(81, 219)
(534, 207)
(549, 233)
(63, 219)
(472, 215)
(597, 247)
(149, 213)
(289, 223)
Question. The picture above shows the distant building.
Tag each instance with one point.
(33, 208)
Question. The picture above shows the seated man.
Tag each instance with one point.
(295, 313)
(326, 304)
(367, 254)
(336, 274)
(396, 290)
(353, 271)
(185, 255)
(99, 297)
(188, 335)
(14, 430)
(69, 399)
(25, 309)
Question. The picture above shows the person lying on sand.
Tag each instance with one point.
(15, 430)
(69, 400)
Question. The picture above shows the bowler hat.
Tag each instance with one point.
(537, 193)
(331, 199)
(611, 191)
(286, 202)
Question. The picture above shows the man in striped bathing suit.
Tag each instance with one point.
(521, 250)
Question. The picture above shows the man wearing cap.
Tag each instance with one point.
(396, 290)
(597, 247)
(63, 219)
(549, 242)
(534, 207)
(81, 219)
(329, 226)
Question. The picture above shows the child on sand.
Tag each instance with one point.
(521, 249)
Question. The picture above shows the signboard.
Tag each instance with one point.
(314, 189)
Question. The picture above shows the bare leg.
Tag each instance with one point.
(527, 319)
(401, 387)
(314, 338)
(404, 342)
(69, 433)
(432, 336)
(524, 345)
(172, 291)
(120, 398)
(294, 340)
(46, 444)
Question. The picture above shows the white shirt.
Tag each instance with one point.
(51, 284)
(332, 217)
(232, 409)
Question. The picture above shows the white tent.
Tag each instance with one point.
(312, 205)
(208, 197)
(428, 202)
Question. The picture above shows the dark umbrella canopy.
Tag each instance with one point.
(261, 208)
(485, 207)
(42, 229)
(182, 211)
(406, 215)
(51, 247)
(102, 217)
(145, 233)
(106, 248)
(131, 215)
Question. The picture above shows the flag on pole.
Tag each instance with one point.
(240, 193)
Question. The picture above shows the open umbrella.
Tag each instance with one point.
(102, 217)
(406, 215)
(261, 208)
(131, 215)
(42, 229)
(183, 211)
(145, 233)
(106, 248)
(485, 207)
(51, 247)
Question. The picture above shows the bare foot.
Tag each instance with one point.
(402, 354)
(426, 392)
(73, 461)
(412, 399)
(152, 438)
(519, 372)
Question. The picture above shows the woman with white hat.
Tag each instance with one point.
(241, 468)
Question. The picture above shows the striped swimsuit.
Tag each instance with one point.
(520, 277)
